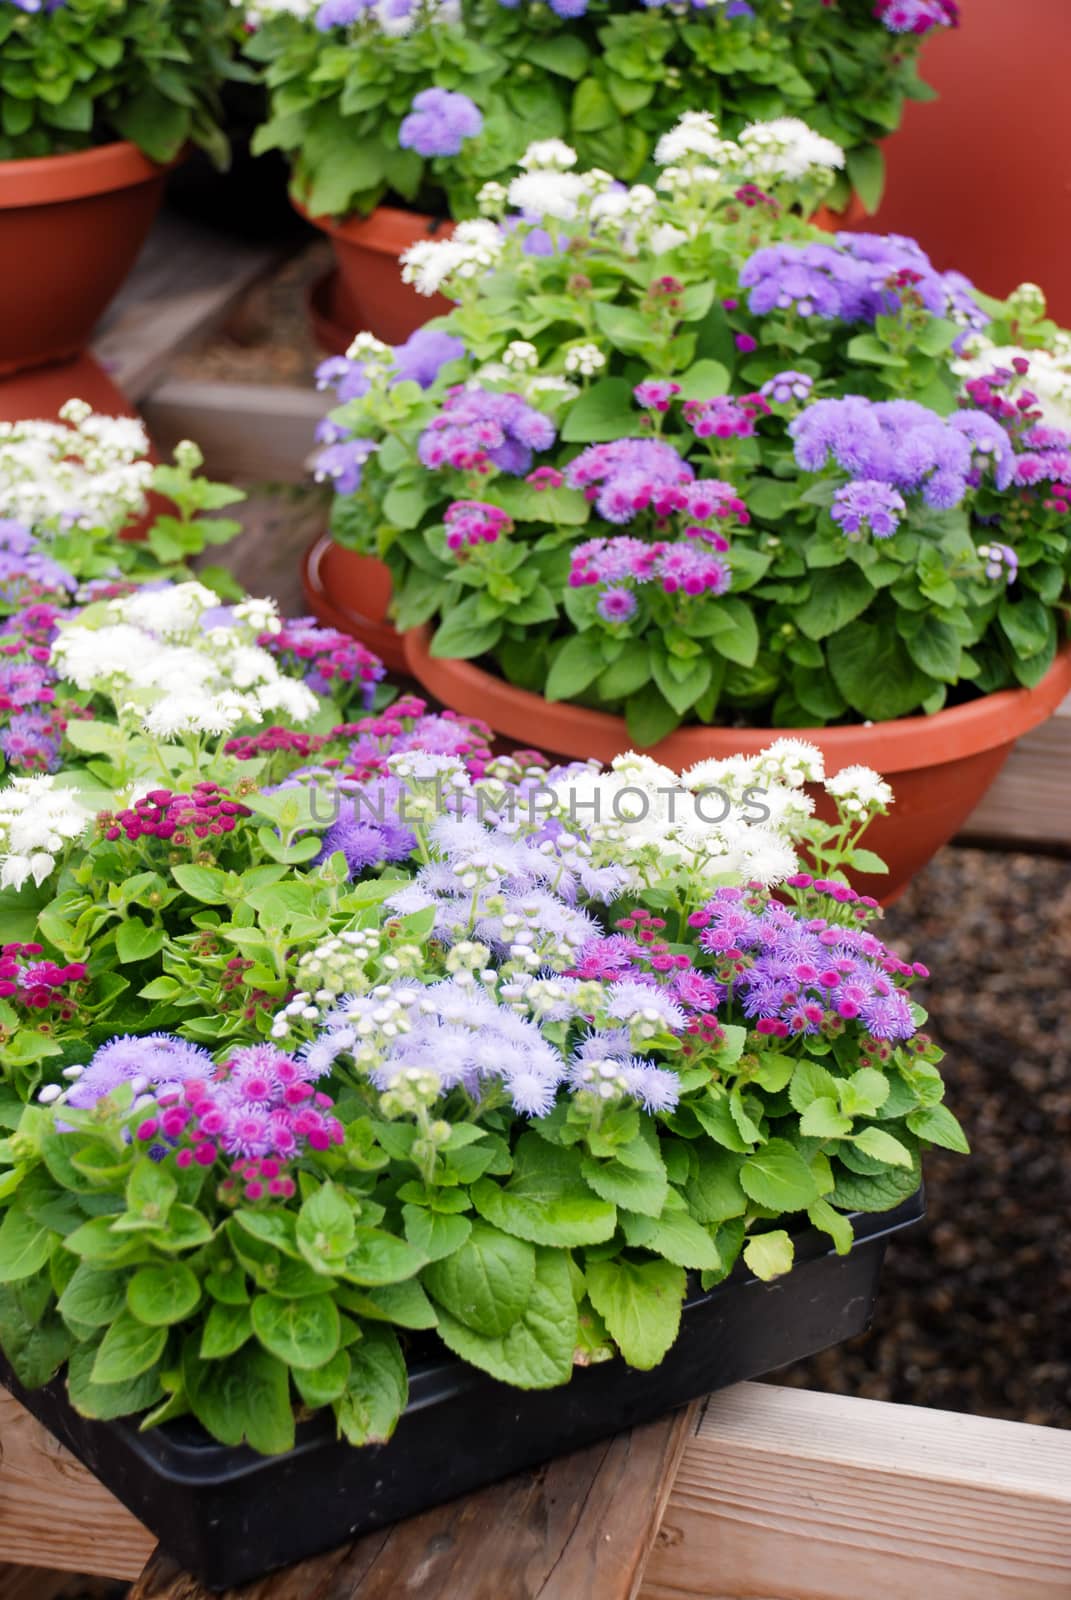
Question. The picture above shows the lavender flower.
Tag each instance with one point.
(785, 387)
(866, 506)
(153, 1063)
(439, 123)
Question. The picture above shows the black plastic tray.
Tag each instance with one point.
(228, 1515)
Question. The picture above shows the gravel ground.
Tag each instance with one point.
(975, 1308)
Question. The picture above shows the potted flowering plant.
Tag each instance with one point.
(703, 472)
(418, 104)
(404, 1080)
(98, 100)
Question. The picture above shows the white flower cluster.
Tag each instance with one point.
(786, 150)
(156, 653)
(85, 471)
(473, 249)
(37, 820)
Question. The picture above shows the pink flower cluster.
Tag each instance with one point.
(479, 430)
(206, 811)
(39, 984)
(1042, 454)
(473, 522)
(679, 566)
(628, 476)
(324, 657)
(725, 416)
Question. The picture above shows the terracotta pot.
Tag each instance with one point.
(854, 215)
(939, 766)
(981, 176)
(351, 592)
(333, 335)
(371, 296)
(70, 228)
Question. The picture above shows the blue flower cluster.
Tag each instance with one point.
(905, 445)
(856, 278)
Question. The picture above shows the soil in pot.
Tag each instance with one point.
(70, 229)
(227, 1515)
(371, 296)
(351, 592)
(939, 766)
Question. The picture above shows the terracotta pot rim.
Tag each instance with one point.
(387, 229)
(50, 180)
(900, 745)
(382, 638)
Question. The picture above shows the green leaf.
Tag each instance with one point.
(379, 1258)
(883, 1146)
(838, 595)
(675, 1235)
(207, 884)
(577, 664)
(873, 671)
(858, 1192)
(933, 644)
(377, 1389)
(150, 1191)
(161, 1295)
(635, 1178)
(768, 1255)
(94, 1296)
(403, 1303)
(937, 1125)
(777, 1176)
(713, 1191)
(823, 1119)
(226, 1330)
(301, 1333)
(245, 1398)
(35, 1342)
(325, 1228)
(866, 173)
(821, 1215)
(128, 1349)
(537, 1351)
(487, 1283)
(704, 380)
(434, 1234)
(546, 1200)
(592, 107)
(321, 1386)
(24, 1246)
(105, 1401)
(604, 412)
(640, 1304)
(137, 941)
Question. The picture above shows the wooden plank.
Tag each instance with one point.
(53, 1513)
(581, 1526)
(800, 1496)
(31, 1583)
(252, 431)
(186, 282)
(1030, 803)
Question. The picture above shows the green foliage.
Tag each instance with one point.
(89, 72)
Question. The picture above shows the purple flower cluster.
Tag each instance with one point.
(31, 726)
(344, 463)
(325, 658)
(419, 360)
(1043, 454)
(439, 123)
(370, 834)
(154, 1063)
(784, 388)
(629, 476)
(794, 974)
(479, 430)
(904, 444)
(866, 506)
(856, 278)
(27, 572)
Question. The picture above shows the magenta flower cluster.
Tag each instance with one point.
(1043, 454)
(40, 985)
(31, 725)
(725, 416)
(917, 16)
(471, 523)
(206, 812)
(479, 430)
(328, 660)
(620, 561)
(27, 572)
(629, 476)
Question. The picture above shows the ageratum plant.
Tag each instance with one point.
(526, 1083)
(690, 460)
(78, 73)
(426, 99)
